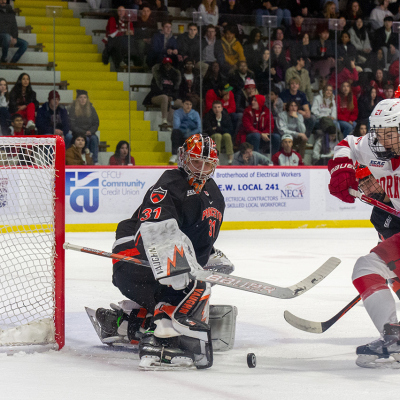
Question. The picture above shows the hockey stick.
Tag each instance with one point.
(235, 282)
(318, 327)
(373, 202)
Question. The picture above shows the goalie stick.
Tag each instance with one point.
(235, 282)
(318, 327)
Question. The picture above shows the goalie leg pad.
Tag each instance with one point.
(223, 326)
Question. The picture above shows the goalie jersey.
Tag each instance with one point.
(199, 216)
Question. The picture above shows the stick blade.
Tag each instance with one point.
(317, 276)
(303, 324)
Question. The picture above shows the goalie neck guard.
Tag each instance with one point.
(383, 137)
(198, 157)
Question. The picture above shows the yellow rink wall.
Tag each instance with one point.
(97, 198)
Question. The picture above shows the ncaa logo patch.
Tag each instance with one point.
(157, 195)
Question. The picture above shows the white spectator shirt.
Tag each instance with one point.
(387, 173)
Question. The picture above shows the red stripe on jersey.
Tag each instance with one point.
(344, 143)
(369, 284)
(395, 163)
(130, 253)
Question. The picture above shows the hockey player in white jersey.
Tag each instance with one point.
(379, 150)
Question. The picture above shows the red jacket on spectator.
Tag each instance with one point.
(114, 30)
(394, 72)
(344, 114)
(291, 159)
(379, 87)
(345, 75)
(119, 161)
(255, 120)
(229, 105)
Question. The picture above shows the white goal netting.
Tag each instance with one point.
(27, 241)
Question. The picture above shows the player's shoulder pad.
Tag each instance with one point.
(173, 181)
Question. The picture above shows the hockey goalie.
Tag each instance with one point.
(379, 150)
(168, 314)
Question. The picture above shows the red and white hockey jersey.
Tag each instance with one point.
(387, 173)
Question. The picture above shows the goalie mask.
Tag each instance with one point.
(198, 157)
(383, 137)
(367, 184)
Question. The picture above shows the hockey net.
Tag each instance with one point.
(32, 179)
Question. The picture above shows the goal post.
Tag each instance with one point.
(32, 233)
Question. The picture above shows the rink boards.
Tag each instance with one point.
(97, 198)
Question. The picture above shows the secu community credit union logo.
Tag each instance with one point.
(83, 189)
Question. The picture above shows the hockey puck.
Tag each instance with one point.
(251, 360)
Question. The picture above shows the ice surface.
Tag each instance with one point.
(291, 364)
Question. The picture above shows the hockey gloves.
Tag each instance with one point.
(343, 177)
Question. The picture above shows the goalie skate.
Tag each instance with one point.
(381, 353)
(116, 340)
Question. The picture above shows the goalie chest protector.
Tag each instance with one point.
(199, 216)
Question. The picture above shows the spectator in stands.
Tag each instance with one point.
(233, 50)
(258, 125)
(78, 154)
(361, 129)
(347, 109)
(302, 49)
(293, 93)
(384, 37)
(271, 7)
(189, 43)
(274, 102)
(244, 97)
(17, 125)
(164, 90)
(187, 122)
(225, 95)
(122, 155)
(300, 7)
(379, 82)
(375, 60)
(322, 53)
(246, 156)
(347, 72)
(213, 77)
(5, 116)
(45, 119)
(83, 120)
(145, 28)
(297, 30)
(300, 72)
(367, 102)
(291, 122)
(264, 76)
(163, 44)
(324, 146)
(254, 49)
(279, 34)
(329, 11)
(190, 84)
(287, 156)
(231, 13)
(324, 109)
(379, 13)
(116, 40)
(345, 49)
(9, 33)
(160, 8)
(278, 60)
(360, 39)
(353, 12)
(238, 78)
(209, 12)
(211, 48)
(388, 91)
(23, 101)
(218, 125)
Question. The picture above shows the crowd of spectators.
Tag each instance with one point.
(280, 94)
(275, 94)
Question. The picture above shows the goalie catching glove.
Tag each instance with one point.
(343, 177)
(170, 253)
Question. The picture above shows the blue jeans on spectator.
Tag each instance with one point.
(346, 127)
(68, 140)
(92, 142)
(281, 14)
(5, 40)
(5, 118)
